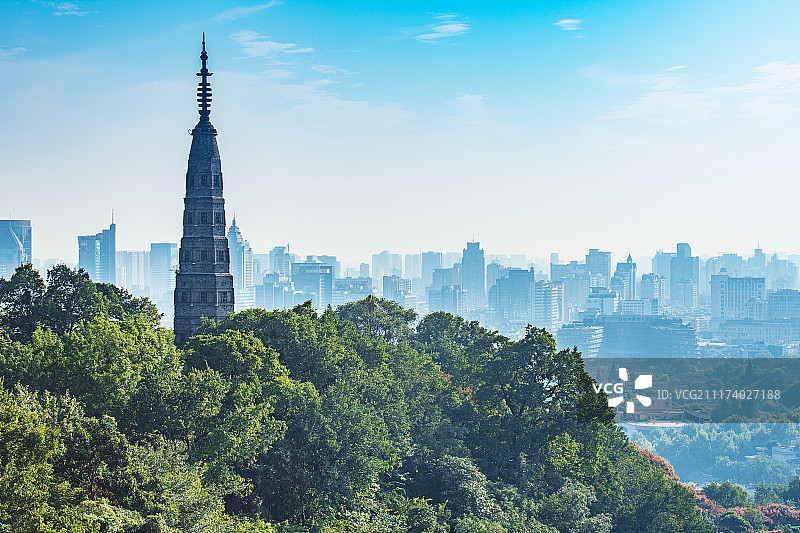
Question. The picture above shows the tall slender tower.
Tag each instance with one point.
(203, 283)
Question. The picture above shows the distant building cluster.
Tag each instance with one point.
(725, 305)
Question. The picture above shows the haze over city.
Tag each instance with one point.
(349, 130)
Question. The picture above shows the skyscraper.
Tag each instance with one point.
(97, 255)
(204, 285)
(163, 264)
(241, 268)
(599, 264)
(15, 245)
(473, 268)
(624, 280)
(314, 278)
(684, 277)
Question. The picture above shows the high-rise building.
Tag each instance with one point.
(163, 265)
(396, 288)
(430, 262)
(547, 304)
(654, 286)
(346, 290)
(280, 262)
(204, 285)
(684, 277)
(133, 272)
(624, 280)
(386, 264)
(599, 264)
(332, 262)
(515, 294)
(97, 255)
(783, 304)
(241, 268)
(781, 273)
(473, 268)
(449, 299)
(733, 298)
(15, 245)
(314, 278)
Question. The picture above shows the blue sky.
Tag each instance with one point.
(346, 129)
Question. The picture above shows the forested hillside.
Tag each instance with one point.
(361, 419)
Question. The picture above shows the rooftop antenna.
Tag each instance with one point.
(112, 216)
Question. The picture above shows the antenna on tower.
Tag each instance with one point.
(112, 216)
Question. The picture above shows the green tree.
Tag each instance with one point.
(21, 302)
(727, 494)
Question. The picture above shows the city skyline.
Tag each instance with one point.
(530, 129)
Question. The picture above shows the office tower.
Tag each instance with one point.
(15, 245)
(386, 264)
(413, 266)
(733, 264)
(204, 285)
(332, 262)
(756, 266)
(396, 288)
(684, 277)
(363, 270)
(241, 268)
(315, 279)
(654, 286)
(783, 304)
(280, 262)
(274, 292)
(515, 294)
(260, 267)
(430, 262)
(97, 255)
(603, 300)
(660, 266)
(781, 273)
(547, 304)
(586, 337)
(346, 290)
(473, 268)
(494, 271)
(624, 280)
(133, 272)
(449, 299)
(734, 298)
(598, 264)
(163, 265)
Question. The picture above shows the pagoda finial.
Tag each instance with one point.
(204, 87)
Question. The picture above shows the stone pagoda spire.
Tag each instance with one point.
(203, 283)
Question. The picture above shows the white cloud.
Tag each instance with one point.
(676, 67)
(240, 12)
(256, 45)
(9, 54)
(771, 93)
(330, 70)
(449, 25)
(69, 8)
(569, 24)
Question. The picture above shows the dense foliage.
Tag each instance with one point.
(735, 452)
(360, 419)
